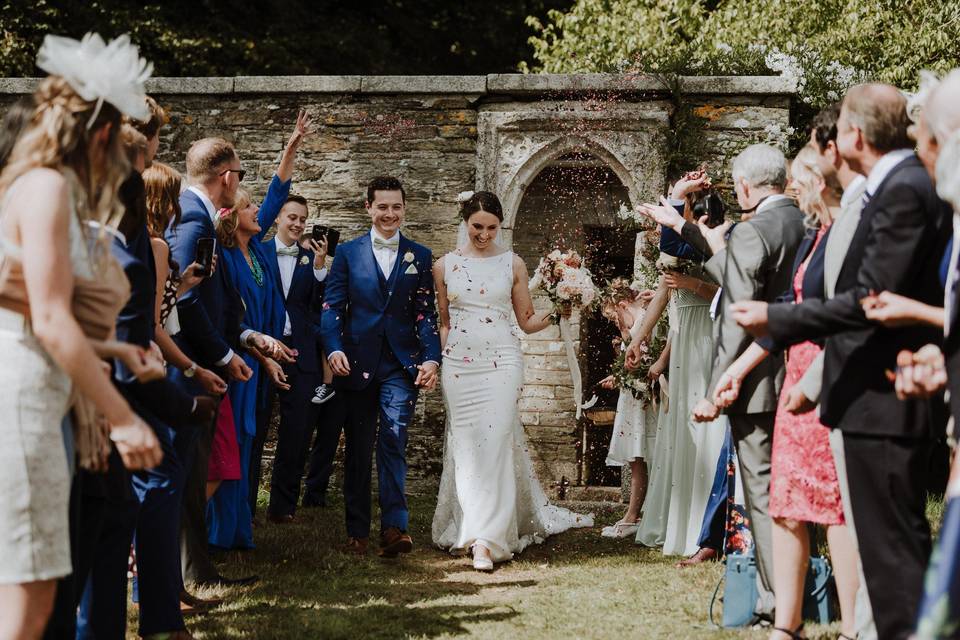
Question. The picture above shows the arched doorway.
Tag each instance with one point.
(571, 204)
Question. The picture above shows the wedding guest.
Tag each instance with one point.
(47, 188)
(755, 265)
(897, 247)
(209, 317)
(803, 479)
(298, 273)
(634, 427)
(685, 457)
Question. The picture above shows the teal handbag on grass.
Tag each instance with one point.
(740, 593)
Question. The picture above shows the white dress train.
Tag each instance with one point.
(489, 493)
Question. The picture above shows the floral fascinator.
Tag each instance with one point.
(110, 72)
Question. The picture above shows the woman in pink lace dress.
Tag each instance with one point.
(803, 478)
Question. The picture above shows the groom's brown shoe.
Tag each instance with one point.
(394, 542)
(356, 546)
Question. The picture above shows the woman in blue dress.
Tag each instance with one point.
(240, 232)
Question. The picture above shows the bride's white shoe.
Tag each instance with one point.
(482, 562)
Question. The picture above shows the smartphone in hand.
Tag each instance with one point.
(331, 235)
(205, 250)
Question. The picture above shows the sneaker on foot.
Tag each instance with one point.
(323, 393)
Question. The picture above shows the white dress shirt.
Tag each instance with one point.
(287, 265)
(386, 257)
(851, 191)
(882, 169)
(212, 212)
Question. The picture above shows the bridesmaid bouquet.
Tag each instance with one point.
(564, 278)
(636, 381)
(568, 283)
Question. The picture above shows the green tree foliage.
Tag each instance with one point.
(825, 44)
(285, 37)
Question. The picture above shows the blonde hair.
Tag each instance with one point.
(58, 137)
(162, 186)
(807, 179)
(229, 219)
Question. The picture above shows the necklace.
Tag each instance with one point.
(256, 269)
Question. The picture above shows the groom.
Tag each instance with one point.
(379, 327)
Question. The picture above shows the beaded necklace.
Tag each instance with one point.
(256, 269)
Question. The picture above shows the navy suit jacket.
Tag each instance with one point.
(135, 325)
(208, 312)
(302, 303)
(362, 310)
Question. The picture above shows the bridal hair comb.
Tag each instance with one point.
(110, 72)
(463, 196)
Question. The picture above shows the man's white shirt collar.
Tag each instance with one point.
(883, 168)
(374, 235)
(852, 191)
(207, 202)
(279, 243)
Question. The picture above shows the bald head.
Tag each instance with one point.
(942, 108)
(879, 111)
(207, 157)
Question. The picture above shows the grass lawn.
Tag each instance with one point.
(576, 585)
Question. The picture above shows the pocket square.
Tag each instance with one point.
(412, 269)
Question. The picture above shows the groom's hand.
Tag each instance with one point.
(339, 363)
(427, 377)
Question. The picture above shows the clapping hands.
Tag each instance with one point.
(921, 374)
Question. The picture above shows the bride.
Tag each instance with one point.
(490, 500)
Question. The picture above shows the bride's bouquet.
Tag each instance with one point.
(565, 279)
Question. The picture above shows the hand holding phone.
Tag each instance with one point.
(332, 236)
(205, 251)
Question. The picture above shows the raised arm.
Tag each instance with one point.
(302, 130)
(528, 319)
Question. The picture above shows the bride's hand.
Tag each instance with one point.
(427, 375)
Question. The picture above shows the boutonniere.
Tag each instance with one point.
(304, 260)
(408, 256)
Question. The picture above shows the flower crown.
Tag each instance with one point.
(100, 72)
(617, 290)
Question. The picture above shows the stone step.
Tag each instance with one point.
(593, 494)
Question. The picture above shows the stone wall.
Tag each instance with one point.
(443, 135)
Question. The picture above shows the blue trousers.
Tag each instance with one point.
(715, 516)
(157, 541)
(390, 400)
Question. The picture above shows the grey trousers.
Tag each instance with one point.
(753, 437)
(863, 613)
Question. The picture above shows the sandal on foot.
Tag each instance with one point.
(622, 529)
(795, 634)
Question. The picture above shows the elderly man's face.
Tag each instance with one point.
(927, 148)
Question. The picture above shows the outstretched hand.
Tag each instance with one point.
(752, 316)
(302, 129)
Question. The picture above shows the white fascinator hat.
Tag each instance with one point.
(99, 71)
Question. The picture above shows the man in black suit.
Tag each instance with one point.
(896, 247)
(299, 274)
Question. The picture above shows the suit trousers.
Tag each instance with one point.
(324, 451)
(298, 419)
(193, 447)
(391, 396)
(863, 614)
(160, 493)
(753, 437)
(888, 495)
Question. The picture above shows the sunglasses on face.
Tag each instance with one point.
(240, 173)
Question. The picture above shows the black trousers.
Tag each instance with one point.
(329, 427)
(298, 420)
(888, 494)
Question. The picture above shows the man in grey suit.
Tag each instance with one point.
(755, 265)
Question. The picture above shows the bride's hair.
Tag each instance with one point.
(617, 290)
(481, 201)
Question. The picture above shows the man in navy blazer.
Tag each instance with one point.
(298, 273)
(379, 329)
(209, 317)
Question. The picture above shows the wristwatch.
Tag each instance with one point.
(190, 371)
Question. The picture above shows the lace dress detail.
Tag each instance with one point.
(803, 478)
(488, 490)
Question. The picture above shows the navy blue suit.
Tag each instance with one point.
(209, 316)
(386, 327)
(298, 416)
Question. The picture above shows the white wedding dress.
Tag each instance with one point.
(488, 491)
